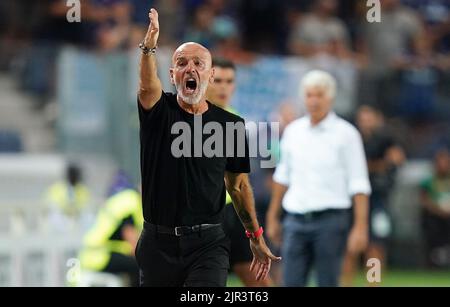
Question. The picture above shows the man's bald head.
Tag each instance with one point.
(191, 72)
(192, 48)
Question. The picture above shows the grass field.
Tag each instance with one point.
(394, 278)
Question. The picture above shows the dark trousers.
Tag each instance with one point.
(317, 241)
(239, 244)
(437, 237)
(196, 260)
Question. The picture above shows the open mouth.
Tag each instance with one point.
(191, 85)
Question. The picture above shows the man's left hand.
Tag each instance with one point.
(262, 258)
(358, 239)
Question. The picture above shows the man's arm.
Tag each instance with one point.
(150, 89)
(130, 235)
(358, 237)
(431, 206)
(359, 187)
(239, 188)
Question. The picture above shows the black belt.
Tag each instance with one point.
(317, 214)
(179, 230)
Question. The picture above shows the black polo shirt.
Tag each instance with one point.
(187, 189)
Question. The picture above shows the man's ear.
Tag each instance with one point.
(211, 78)
(172, 79)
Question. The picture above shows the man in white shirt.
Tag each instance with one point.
(322, 170)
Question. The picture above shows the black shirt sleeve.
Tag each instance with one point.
(156, 110)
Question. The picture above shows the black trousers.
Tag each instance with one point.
(196, 260)
(437, 236)
(239, 244)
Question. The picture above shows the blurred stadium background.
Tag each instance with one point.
(68, 95)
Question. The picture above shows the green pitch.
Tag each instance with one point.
(394, 278)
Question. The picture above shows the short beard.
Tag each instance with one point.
(195, 98)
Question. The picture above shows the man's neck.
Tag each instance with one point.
(316, 120)
(198, 108)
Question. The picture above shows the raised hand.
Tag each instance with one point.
(151, 38)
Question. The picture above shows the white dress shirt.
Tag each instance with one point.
(322, 165)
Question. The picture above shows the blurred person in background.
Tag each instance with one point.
(220, 92)
(228, 39)
(436, 16)
(67, 201)
(321, 171)
(263, 26)
(386, 47)
(211, 24)
(320, 32)
(435, 199)
(112, 23)
(384, 156)
(104, 24)
(200, 29)
(109, 244)
(262, 178)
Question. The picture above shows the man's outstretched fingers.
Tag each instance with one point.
(265, 273)
(253, 264)
(260, 271)
(273, 257)
(154, 18)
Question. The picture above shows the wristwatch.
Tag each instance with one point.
(146, 50)
(254, 235)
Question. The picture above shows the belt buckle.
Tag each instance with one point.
(177, 231)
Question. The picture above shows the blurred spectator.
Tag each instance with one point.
(320, 32)
(200, 30)
(121, 181)
(388, 43)
(387, 47)
(68, 200)
(435, 197)
(110, 243)
(104, 24)
(263, 25)
(112, 23)
(220, 93)
(211, 24)
(383, 156)
(173, 19)
(261, 178)
(229, 42)
(54, 27)
(436, 15)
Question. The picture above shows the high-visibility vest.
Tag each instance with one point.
(98, 244)
(69, 200)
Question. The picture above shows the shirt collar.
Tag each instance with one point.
(325, 123)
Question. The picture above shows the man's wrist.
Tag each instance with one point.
(361, 225)
(256, 240)
(146, 49)
(254, 235)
